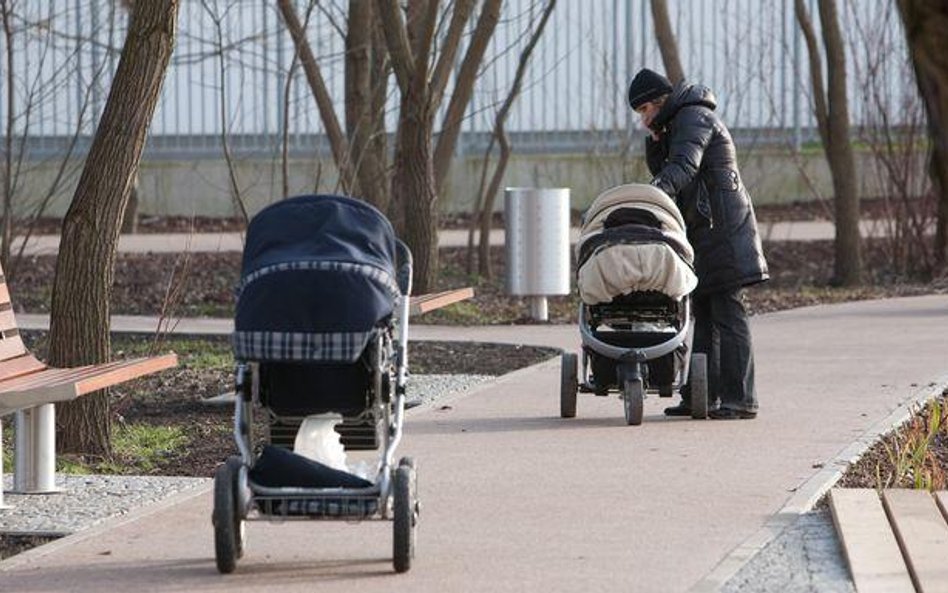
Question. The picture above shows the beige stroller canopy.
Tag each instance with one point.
(658, 259)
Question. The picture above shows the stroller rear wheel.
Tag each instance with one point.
(228, 524)
(633, 400)
(405, 515)
(569, 385)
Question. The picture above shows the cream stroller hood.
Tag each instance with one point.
(621, 265)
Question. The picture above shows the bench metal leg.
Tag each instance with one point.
(23, 451)
(35, 471)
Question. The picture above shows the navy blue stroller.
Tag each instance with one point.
(321, 327)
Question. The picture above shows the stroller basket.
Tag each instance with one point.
(322, 505)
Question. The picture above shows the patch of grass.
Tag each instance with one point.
(910, 457)
(462, 313)
(138, 448)
(193, 353)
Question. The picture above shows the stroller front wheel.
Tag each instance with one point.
(404, 515)
(228, 524)
(633, 400)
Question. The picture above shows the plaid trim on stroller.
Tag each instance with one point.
(381, 276)
(301, 346)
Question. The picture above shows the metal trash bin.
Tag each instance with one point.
(537, 245)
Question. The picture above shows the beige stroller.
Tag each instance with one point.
(634, 276)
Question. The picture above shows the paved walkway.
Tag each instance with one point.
(518, 499)
(216, 242)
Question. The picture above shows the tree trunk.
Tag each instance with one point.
(130, 218)
(848, 245)
(925, 24)
(413, 187)
(79, 317)
(361, 119)
(666, 41)
(413, 183)
(6, 232)
(832, 114)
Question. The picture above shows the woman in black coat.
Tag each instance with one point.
(691, 156)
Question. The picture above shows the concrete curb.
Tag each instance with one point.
(808, 494)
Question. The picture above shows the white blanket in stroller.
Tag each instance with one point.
(621, 262)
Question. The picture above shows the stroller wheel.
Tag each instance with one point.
(228, 524)
(698, 380)
(633, 401)
(569, 385)
(405, 517)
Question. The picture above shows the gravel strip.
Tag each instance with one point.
(425, 390)
(85, 500)
(805, 558)
(90, 499)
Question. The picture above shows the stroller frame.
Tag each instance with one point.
(631, 362)
(393, 496)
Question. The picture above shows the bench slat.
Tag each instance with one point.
(126, 371)
(429, 302)
(11, 347)
(923, 536)
(56, 385)
(875, 561)
(7, 320)
(4, 293)
(22, 365)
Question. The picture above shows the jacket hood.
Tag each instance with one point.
(683, 95)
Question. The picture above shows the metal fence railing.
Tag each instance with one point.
(237, 53)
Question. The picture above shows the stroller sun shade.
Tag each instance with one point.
(317, 280)
(633, 239)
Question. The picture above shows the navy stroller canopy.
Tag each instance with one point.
(317, 280)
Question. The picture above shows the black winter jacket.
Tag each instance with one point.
(694, 162)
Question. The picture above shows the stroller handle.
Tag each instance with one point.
(404, 273)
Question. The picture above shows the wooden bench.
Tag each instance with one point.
(429, 302)
(29, 389)
(895, 544)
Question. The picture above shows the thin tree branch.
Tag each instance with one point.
(452, 40)
(396, 38)
(464, 87)
(816, 69)
(337, 140)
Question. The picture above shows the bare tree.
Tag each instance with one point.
(925, 25)
(893, 130)
(422, 61)
(666, 41)
(832, 116)
(79, 316)
(487, 196)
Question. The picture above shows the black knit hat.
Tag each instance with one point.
(647, 85)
